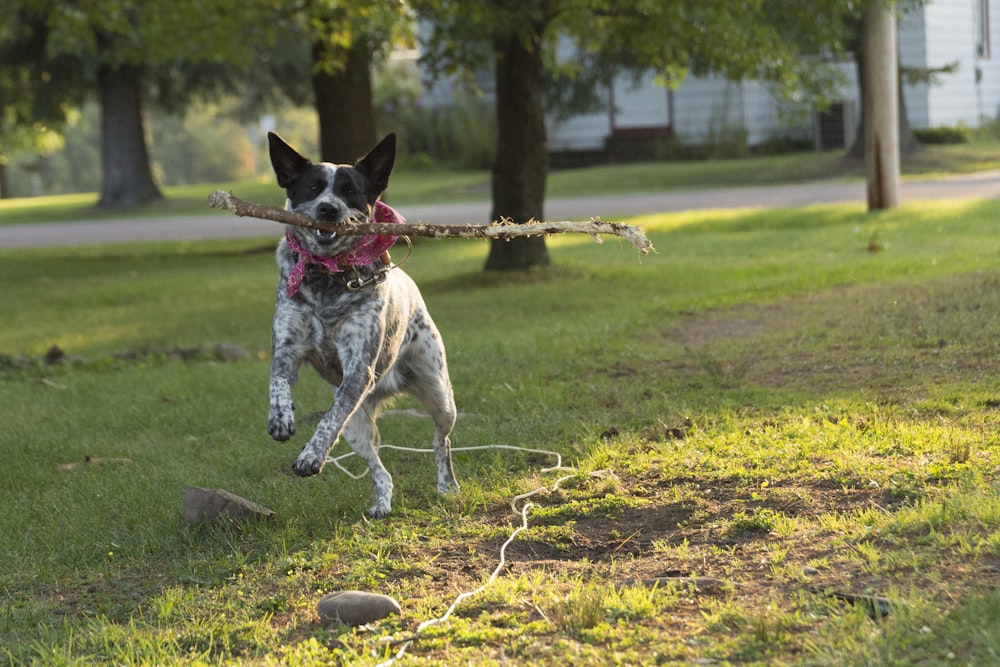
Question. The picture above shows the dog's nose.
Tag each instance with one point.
(327, 212)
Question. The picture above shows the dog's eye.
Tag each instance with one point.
(349, 189)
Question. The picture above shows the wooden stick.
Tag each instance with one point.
(504, 230)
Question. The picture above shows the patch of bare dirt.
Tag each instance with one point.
(880, 337)
(691, 542)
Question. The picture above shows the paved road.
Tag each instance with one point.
(222, 226)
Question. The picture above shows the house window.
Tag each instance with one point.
(983, 28)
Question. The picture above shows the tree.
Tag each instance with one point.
(123, 49)
(34, 100)
(127, 177)
(907, 140)
(881, 116)
(757, 39)
(169, 51)
(342, 94)
(521, 166)
(323, 55)
(347, 38)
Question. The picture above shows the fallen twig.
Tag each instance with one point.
(91, 460)
(503, 230)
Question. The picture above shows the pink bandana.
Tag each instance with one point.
(369, 249)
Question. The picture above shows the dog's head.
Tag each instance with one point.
(332, 193)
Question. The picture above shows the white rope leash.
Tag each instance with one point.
(415, 450)
(406, 642)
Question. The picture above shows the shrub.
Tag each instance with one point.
(943, 135)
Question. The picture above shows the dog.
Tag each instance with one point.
(356, 318)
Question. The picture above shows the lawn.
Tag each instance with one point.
(783, 429)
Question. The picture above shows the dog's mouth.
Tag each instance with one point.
(324, 236)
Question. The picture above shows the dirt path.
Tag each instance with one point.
(980, 185)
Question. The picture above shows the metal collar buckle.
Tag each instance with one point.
(360, 283)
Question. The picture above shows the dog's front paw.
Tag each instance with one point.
(281, 421)
(309, 463)
(380, 510)
(447, 487)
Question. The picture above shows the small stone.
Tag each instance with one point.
(701, 584)
(206, 505)
(229, 352)
(356, 607)
(54, 355)
(810, 571)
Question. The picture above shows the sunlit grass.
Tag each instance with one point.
(772, 407)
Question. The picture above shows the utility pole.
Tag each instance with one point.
(880, 105)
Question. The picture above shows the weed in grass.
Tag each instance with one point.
(681, 551)
(959, 451)
(757, 520)
(720, 371)
(579, 609)
(634, 603)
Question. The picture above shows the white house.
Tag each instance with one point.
(705, 109)
(949, 31)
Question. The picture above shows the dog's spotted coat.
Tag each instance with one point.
(369, 344)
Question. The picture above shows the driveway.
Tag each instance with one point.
(985, 185)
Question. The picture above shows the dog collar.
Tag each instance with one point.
(369, 249)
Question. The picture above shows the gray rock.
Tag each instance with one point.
(701, 584)
(229, 352)
(207, 505)
(356, 607)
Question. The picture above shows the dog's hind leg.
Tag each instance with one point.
(436, 395)
(361, 434)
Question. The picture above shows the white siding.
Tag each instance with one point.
(706, 107)
(768, 118)
(912, 36)
(642, 103)
(989, 84)
(579, 133)
(951, 37)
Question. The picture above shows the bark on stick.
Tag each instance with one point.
(503, 230)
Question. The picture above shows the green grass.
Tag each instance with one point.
(773, 407)
(433, 186)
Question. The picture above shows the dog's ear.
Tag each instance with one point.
(377, 165)
(288, 164)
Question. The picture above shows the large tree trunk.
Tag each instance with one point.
(880, 108)
(127, 180)
(908, 142)
(522, 161)
(342, 85)
(4, 182)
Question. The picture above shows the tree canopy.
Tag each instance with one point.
(37, 93)
(125, 51)
(170, 52)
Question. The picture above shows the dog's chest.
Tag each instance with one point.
(331, 317)
(326, 294)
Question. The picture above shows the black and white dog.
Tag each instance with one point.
(362, 326)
